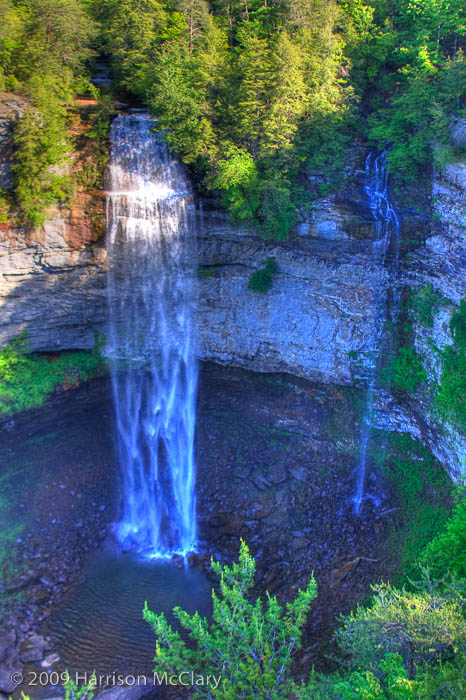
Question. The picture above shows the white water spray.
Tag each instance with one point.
(151, 246)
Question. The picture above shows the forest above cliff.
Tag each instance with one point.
(254, 94)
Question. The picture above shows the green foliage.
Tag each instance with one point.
(73, 691)
(450, 400)
(424, 303)
(458, 326)
(204, 271)
(394, 685)
(237, 180)
(404, 645)
(245, 92)
(408, 370)
(447, 551)
(252, 94)
(409, 70)
(44, 45)
(418, 117)
(276, 212)
(423, 627)
(4, 207)
(404, 372)
(261, 280)
(26, 380)
(249, 645)
(390, 681)
(93, 147)
(42, 149)
(423, 491)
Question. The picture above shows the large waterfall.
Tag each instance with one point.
(151, 246)
(387, 234)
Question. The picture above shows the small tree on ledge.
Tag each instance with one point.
(248, 645)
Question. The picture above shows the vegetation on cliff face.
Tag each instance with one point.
(261, 280)
(450, 400)
(27, 380)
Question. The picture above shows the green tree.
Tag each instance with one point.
(10, 35)
(57, 35)
(179, 101)
(447, 551)
(43, 146)
(132, 31)
(196, 14)
(255, 75)
(288, 99)
(249, 645)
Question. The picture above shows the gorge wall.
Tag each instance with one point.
(317, 317)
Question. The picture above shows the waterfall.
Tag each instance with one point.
(151, 252)
(387, 235)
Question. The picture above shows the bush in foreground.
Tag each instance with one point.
(248, 645)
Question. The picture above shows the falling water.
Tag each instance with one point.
(150, 245)
(387, 235)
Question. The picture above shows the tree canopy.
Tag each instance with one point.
(255, 94)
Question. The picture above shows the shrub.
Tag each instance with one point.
(277, 212)
(390, 682)
(204, 271)
(261, 280)
(447, 551)
(404, 371)
(422, 627)
(248, 645)
(423, 490)
(458, 326)
(72, 691)
(26, 380)
(425, 302)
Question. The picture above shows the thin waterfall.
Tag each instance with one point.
(387, 235)
(151, 252)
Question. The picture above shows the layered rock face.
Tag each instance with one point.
(319, 310)
(52, 282)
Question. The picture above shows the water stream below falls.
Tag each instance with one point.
(114, 638)
(151, 243)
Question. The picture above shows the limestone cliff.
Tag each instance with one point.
(319, 309)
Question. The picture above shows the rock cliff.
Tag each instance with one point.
(319, 309)
(441, 263)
